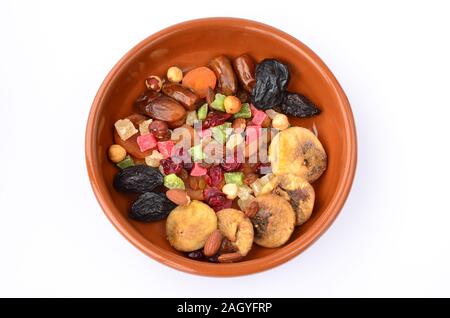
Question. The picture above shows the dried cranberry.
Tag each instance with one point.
(215, 176)
(169, 166)
(215, 119)
(231, 166)
(216, 199)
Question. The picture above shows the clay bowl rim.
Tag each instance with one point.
(185, 264)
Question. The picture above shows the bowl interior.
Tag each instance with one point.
(193, 44)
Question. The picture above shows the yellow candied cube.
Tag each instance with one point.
(125, 128)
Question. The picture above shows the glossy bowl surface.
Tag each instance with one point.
(191, 44)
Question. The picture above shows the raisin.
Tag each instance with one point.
(138, 179)
(196, 255)
(298, 105)
(151, 206)
(272, 78)
(215, 119)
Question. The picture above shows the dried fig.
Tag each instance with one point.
(189, 226)
(297, 191)
(274, 222)
(237, 228)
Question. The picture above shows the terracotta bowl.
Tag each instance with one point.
(193, 43)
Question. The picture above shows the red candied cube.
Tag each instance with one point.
(258, 116)
(146, 142)
(198, 170)
(165, 148)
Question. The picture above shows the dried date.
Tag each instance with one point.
(272, 78)
(138, 179)
(151, 206)
(298, 105)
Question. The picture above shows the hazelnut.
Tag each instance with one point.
(266, 122)
(250, 178)
(239, 123)
(280, 122)
(174, 74)
(116, 153)
(153, 83)
(160, 130)
(232, 104)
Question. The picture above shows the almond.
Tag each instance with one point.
(213, 243)
(230, 257)
(178, 196)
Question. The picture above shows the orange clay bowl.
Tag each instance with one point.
(193, 43)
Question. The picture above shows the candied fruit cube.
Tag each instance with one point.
(125, 128)
(146, 142)
(165, 148)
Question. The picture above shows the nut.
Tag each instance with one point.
(213, 243)
(116, 153)
(230, 189)
(160, 130)
(239, 123)
(232, 104)
(174, 74)
(250, 178)
(230, 257)
(266, 122)
(251, 209)
(280, 122)
(271, 113)
(178, 196)
(153, 83)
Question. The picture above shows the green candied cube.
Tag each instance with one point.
(172, 181)
(202, 112)
(234, 177)
(197, 153)
(217, 104)
(245, 111)
(220, 133)
(125, 163)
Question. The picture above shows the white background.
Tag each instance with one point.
(391, 239)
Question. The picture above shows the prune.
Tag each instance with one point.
(151, 206)
(215, 119)
(272, 78)
(298, 105)
(138, 179)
